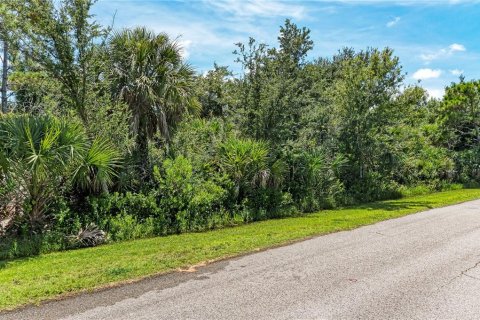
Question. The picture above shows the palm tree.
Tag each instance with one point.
(245, 161)
(149, 75)
(41, 153)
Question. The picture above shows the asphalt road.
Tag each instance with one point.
(423, 266)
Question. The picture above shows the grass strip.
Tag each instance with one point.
(32, 280)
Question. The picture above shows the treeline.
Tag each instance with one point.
(110, 135)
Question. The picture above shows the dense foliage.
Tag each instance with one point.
(111, 135)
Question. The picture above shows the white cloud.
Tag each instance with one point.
(432, 56)
(393, 22)
(456, 72)
(422, 74)
(406, 2)
(435, 92)
(456, 47)
(185, 44)
(196, 35)
(252, 8)
(453, 2)
(442, 53)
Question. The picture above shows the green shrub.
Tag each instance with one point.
(128, 227)
(26, 246)
(141, 206)
(374, 187)
(198, 140)
(204, 205)
(190, 203)
(43, 154)
(311, 176)
(467, 165)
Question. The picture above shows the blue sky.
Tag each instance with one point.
(435, 40)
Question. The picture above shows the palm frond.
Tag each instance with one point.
(98, 166)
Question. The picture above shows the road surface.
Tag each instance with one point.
(423, 266)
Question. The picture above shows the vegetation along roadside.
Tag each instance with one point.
(111, 139)
(31, 280)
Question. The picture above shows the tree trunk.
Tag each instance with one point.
(141, 149)
(4, 76)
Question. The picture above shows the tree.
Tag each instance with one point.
(64, 41)
(150, 76)
(460, 115)
(216, 92)
(459, 127)
(361, 111)
(7, 23)
(41, 154)
(4, 75)
(244, 160)
(273, 89)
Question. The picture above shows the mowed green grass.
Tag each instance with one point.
(31, 280)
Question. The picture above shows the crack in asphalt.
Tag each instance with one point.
(463, 273)
(467, 275)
